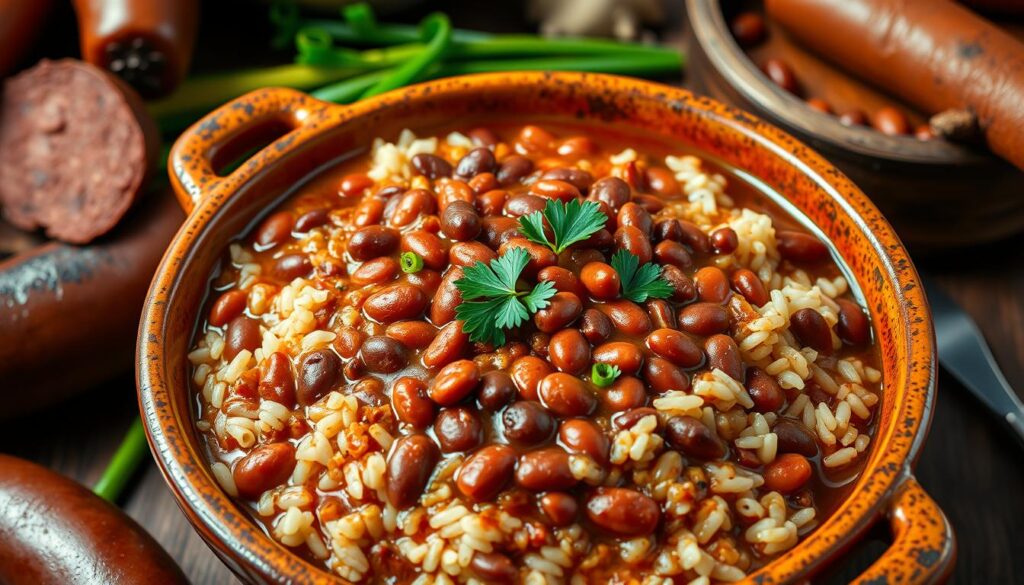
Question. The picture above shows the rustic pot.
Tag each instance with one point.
(937, 194)
(222, 205)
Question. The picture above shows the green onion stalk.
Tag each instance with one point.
(400, 55)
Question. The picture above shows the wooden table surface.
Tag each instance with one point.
(969, 464)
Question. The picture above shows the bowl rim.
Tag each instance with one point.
(218, 519)
(710, 31)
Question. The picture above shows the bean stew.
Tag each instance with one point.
(534, 353)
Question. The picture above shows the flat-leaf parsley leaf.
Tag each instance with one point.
(570, 222)
(640, 283)
(491, 302)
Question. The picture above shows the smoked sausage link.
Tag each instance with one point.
(54, 531)
(933, 53)
(147, 43)
(69, 315)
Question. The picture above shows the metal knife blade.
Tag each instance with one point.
(965, 354)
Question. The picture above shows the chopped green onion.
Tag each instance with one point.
(411, 262)
(126, 460)
(602, 375)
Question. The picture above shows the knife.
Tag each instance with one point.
(964, 353)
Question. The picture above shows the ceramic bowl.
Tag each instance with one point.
(222, 204)
(937, 194)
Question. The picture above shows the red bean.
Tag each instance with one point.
(563, 308)
(625, 393)
(583, 436)
(527, 423)
(560, 508)
(412, 334)
(451, 191)
(485, 473)
(292, 266)
(627, 317)
(580, 179)
(694, 237)
(794, 437)
(483, 183)
(495, 231)
(312, 219)
(545, 469)
(442, 308)
(596, 326)
(635, 242)
(662, 315)
(723, 354)
(460, 221)
(676, 347)
(411, 403)
(476, 161)
(496, 390)
(663, 183)
(535, 139)
(748, 284)
(566, 395)
(354, 184)
(787, 474)
(376, 271)
(514, 168)
(454, 382)
(662, 376)
(228, 305)
(631, 214)
(371, 242)
(493, 567)
(683, 289)
(712, 285)
(319, 373)
(563, 280)
(668, 229)
(748, 28)
(409, 467)
(623, 512)
(263, 468)
(693, 438)
(431, 166)
(704, 319)
(853, 327)
(623, 354)
(600, 280)
(613, 191)
(724, 240)
(450, 343)
(569, 351)
(394, 303)
(891, 121)
(469, 253)
(277, 382)
(242, 333)
(426, 280)
(811, 330)
(383, 354)
(672, 253)
(458, 429)
(552, 189)
(764, 391)
(427, 246)
(781, 74)
(527, 372)
(275, 229)
(800, 247)
(626, 420)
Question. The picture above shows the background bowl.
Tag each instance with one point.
(937, 194)
(316, 134)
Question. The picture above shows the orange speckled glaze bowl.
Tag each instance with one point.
(313, 135)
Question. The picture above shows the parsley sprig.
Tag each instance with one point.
(570, 222)
(640, 283)
(492, 302)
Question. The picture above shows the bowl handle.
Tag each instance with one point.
(923, 548)
(257, 120)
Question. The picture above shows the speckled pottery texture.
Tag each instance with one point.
(222, 206)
